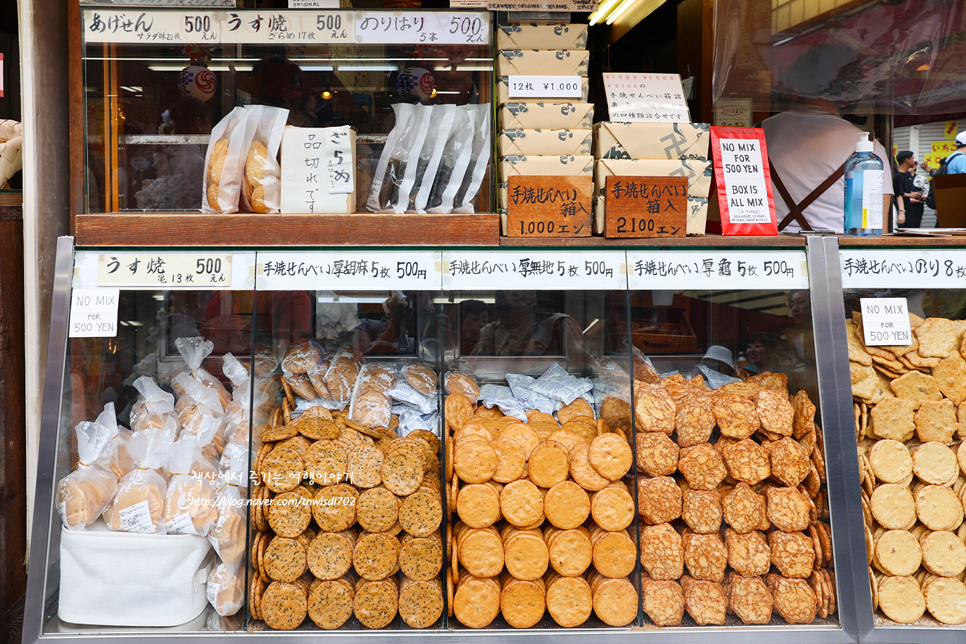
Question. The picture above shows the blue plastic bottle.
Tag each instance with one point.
(863, 190)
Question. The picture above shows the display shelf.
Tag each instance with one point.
(782, 241)
(246, 229)
(900, 240)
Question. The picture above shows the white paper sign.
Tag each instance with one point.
(646, 97)
(545, 86)
(318, 170)
(717, 269)
(744, 179)
(896, 268)
(93, 313)
(313, 4)
(348, 270)
(534, 270)
(339, 161)
(409, 27)
(151, 26)
(885, 321)
(164, 270)
(286, 26)
(733, 112)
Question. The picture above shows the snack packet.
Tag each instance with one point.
(83, 494)
(226, 589)
(194, 351)
(189, 504)
(463, 203)
(153, 407)
(383, 176)
(440, 126)
(227, 535)
(225, 163)
(139, 504)
(261, 188)
(454, 162)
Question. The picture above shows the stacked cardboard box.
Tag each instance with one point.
(542, 136)
(655, 150)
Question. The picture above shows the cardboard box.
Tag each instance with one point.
(652, 140)
(546, 166)
(697, 215)
(531, 116)
(503, 95)
(547, 36)
(542, 62)
(698, 172)
(545, 142)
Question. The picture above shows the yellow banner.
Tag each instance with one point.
(951, 129)
(943, 147)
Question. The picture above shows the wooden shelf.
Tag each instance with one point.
(245, 229)
(900, 240)
(719, 241)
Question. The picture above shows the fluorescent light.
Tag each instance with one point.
(368, 68)
(624, 6)
(214, 68)
(317, 68)
(602, 11)
(134, 89)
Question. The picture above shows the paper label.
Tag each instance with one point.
(312, 174)
(545, 86)
(313, 4)
(133, 25)
(896, 268)
(355, 270)
(287, 26)
(181, 524)
(646, 97)
(164, 270)
(93, 313)
(62, 511)
(872, 199)
(136, 518)
(744, 179)
(717, 270)
(733, 112)
(885, 321)
(408, 27)
(534, 270)
(338, 159)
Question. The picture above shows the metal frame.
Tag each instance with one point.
(843, 490)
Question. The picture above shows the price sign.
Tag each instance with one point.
(577, 6)
(885, 321)
(545, 86)
(349, 270)
(286, 26)
(894, 268)
(339, 160)
(646, 207)
(646, 97)
(132, 25)
(164, 270)
(313, 4)
(450, 28)
(741, 176)
(717, 270)
(93, 313)
(549, 206)
(537, 271)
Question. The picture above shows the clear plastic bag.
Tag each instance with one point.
(189, 503)
(139, 503)
(227, 535)
(225, 163)
(455, 160)
(194, 351)
(226, 589)
(154, 407)
(261, 187)
(83, 494)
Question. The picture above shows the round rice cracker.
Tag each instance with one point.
(939, 508)
(476, 603)
(375, 555)
(289, 514)
(569, 439)
(567, 505)
(571, 552)
(283, 606)
(284, 559)
(334, 507)
(421, 513)
(774, 411)
(611, 456)
(330, 604)
(612, 508)
(511, 460)
(282, 470)
(901, 599)
(935, 464)
(890, 461)
(402, 472)
(946, 600)
(377, 509)
(527, 556)
(421, 378)
(457, 410)
(325, 462)
(329, 556)
(421, 558)
(893, 507)
(897, 553)
(548, 464)
(736, 415)
(583, 473)
(375, 603)
(420, 603)
(522, 603)
(569, 601)
(475, 462)
(614, 554)
(481, 553)
(943, 554)
(523, 435)
(365, 466)
(615, 602)
(478, 505)
(747, 461)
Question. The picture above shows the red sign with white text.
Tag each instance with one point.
(743, 181)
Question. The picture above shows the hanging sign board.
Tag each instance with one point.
(743, 181)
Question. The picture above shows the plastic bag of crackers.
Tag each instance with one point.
(542, 508)
(346, 515)
(732, 500)
(910, 419)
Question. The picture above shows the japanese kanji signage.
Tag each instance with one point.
(318, 173)
(895, 268)
(349, 270)
(545, 87)
(549, 206)
(743, 181)
(449, 28)
(717, 269)
(148, 25)
(536, 270)
(287, 26)
(646, 97)
(645, 207)
(578, 6)
(164, 270)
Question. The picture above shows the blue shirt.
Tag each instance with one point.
(957, 163)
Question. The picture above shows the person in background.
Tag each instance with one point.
(802, 339)
(473, 317)
(956, 162)
(910, 206)
(720, 359)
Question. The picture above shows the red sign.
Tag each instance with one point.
(743, 181)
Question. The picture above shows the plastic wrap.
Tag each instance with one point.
(139, 503)
(83, 494)
(189, 503)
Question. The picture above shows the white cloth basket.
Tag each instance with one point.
(125, 579)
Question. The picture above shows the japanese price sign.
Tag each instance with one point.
(93, 313)
(147, 26)
(286, 26)
(895, 268)
(717, 270)
(549, 206)
(349, 270)
(538, 271)
(451, 28)
(545, 86)
(646, 207)
(646, 97)
(164, 270)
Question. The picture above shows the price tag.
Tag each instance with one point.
(885, 321)
(339, 161)
(646, 97)
(93, 313)
(545, 86)
(132, 25)
(349, 270)
(894, 268)
(286, 26)
(164, 270)
(549, 206)
(646, 207)
(408, 27)
(717, 270)
(538, 271)
(319, 170)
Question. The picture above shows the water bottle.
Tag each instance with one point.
(863, 190)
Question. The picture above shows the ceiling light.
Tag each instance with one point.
(621, 9)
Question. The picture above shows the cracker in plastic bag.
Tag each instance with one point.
(194, 351)
(189, 503)
(225, 162)
(261, 188)
(557, 384)
(226, 589)
(139, 503)
(227, 535)
(153, 407)
(83, 494)
(456, 158)
(301, 356)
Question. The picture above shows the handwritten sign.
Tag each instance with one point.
(950, 130)
(444, 28)
(742, 176)
(717, 270)
(733, 112)
(287, 26)
(319, 176)
(349, 270)
(549, 206)
(645, 207)
(164, 270)
(646, 97)
(150, 26)
(545, 86)
(93, 313)
(885, 321)
(535, 270)
(578, 6)
(943, 147)
(897, 268)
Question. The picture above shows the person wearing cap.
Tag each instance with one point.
(910, 206)
(956, 162)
